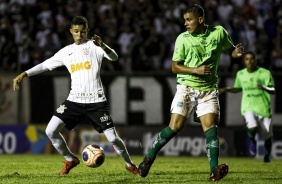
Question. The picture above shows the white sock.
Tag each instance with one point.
(118, 145)
(53, 132)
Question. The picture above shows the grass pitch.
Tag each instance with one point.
(37, 169)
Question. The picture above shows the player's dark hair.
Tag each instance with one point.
(195, 9)
(250, 52)
(79, 20)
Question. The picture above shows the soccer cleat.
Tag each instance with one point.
(219, 172)
(266, 159)
(69, 165)
(145, 166)
(253, 149)
(133, 169)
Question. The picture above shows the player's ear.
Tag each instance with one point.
(201, 20)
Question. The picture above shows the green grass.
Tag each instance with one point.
(37, 169)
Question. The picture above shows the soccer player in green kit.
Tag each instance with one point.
(195, 61)
(256, 84)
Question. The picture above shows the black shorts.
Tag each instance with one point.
(97, 114)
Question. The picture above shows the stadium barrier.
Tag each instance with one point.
(19, 139)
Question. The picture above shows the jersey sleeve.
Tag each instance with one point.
(55, 61)
(178, 54)
(112, 56)
(48, 64)
(269, 80)
(227, 43)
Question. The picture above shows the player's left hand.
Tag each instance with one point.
(239, 50)
(97, 41)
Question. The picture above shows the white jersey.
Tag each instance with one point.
(83, 62)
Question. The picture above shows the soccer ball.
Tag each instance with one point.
(93, 156)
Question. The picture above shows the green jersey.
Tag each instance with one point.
(254, 99)
(195, 50)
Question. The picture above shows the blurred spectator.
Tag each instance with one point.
(155, 49)
(124, 40)
(276, 57)
(224, 12)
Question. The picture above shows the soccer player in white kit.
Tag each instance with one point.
(86, 100)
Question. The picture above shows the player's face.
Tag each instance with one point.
(250, 61)
(193, 23)
(79, 33)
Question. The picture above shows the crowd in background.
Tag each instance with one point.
(142, 32)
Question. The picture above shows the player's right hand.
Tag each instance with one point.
(17, 80)
(203, 70)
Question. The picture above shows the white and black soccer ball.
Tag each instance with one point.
(93, 155)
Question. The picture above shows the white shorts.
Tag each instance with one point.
(264, 124)
(187, 100)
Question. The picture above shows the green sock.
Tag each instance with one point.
(164, 137)
(212, 146)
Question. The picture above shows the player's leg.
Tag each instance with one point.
(99, 116)
(251, 124)
(53, 132)
(180, 110)
(209, 125)
(267, 133)
(121, 149)
(176, 124)
(208, 111)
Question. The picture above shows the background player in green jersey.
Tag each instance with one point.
(256, 84)
(195, 61)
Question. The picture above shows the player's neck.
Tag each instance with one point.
(253, 69)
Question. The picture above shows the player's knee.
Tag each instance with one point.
(114, 140)
(49, 133)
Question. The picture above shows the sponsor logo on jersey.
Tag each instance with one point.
(61, 109)
(83, 95)
(203, 55)
(80, 66)
(105, 118)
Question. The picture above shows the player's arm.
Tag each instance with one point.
(269, 89)
(33, 71)
(179, 68)
(236, 51)
(229, 89)
(109, 51)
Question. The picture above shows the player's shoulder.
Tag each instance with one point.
(183, 35)
(215, 28)
(263, 70)
(242, 72)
